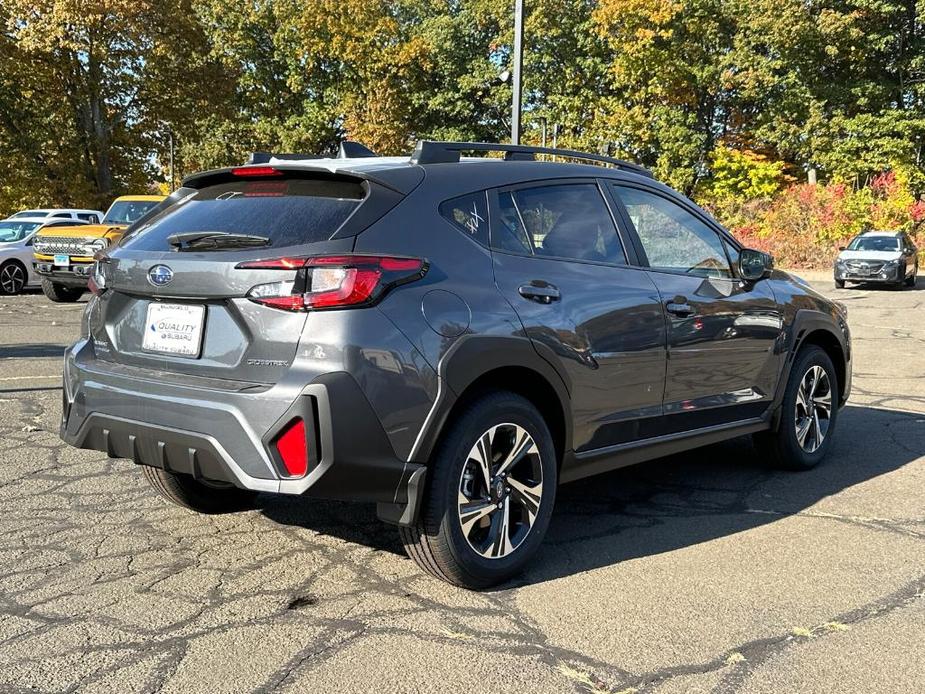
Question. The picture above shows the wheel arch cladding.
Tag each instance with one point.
(530, 385)
(479, 365)
(829, 343)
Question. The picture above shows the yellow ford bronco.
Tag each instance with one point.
(63, 256)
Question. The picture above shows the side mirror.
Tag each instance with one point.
(755, 265)
(842, 248)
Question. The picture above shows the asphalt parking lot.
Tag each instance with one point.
(703, 572)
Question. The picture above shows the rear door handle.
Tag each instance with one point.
(679, 308)
(540, 291)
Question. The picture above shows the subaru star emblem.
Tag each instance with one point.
(160, 275)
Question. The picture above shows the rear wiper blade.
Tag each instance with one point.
(215, 240)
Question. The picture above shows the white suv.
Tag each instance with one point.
(90, 216)
(885, 257)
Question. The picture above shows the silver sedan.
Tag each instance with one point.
(16, 236)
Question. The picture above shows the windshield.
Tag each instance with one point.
(286, 212)
(127, 211)
(31, 213)
(15, 231)
(875, 243)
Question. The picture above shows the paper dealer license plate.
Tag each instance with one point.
(174, 329)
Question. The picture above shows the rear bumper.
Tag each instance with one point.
(227, 435)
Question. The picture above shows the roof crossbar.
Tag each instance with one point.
(347, 150)
(431, 152)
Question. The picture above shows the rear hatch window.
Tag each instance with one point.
(288, 212)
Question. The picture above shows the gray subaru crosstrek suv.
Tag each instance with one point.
(449, 338)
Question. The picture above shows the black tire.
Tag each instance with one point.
(13, 277)
(782, 448)
(61, 294)
(437, 542)
(185, 491)
(840, 284)
(910, 281)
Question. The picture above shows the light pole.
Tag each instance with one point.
(518, 67)
(170, 135)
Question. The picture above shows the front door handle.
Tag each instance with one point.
(540, 291)
(679, 307)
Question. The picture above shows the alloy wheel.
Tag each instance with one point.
(500, 490)
(12, 278)
(813, 409)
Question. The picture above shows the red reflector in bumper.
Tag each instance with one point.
(293, 449)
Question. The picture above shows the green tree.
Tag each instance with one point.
(740, 176)
(669, 101)
(836, 84)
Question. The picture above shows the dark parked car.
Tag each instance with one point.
(887, 257)
(449, 338)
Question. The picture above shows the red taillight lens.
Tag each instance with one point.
(329, 282)
(273, 264)
(293, 449)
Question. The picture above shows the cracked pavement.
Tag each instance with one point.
(701, 572)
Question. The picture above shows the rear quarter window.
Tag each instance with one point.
(469, 214)
(289, 212)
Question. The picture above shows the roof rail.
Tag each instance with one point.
(431, 152)
(347, 150)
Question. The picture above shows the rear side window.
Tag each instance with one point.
(568, 221)
(469, 214)
(88, 218)
(62, 214)
(289, 212)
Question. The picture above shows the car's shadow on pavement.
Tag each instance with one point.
(32, 351)
(665, 504)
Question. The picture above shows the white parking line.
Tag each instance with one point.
(26, 378)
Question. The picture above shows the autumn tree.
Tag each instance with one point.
(87, 86)
(89, 90)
